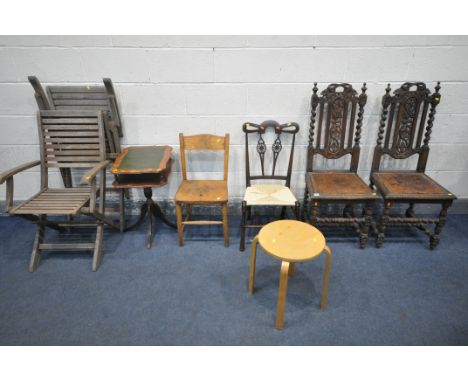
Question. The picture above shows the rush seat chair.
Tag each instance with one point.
(269, 192)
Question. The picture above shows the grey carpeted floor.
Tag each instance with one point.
(401, 294)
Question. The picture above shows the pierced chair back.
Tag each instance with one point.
(340, 112)
(290, 128)
(203, 142)
(406, 123)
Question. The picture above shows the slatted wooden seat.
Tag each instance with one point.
(202, 192)
(86, 97)
(405, 130)
(337, 134)
(55, 202)
(68, 139)
(263, 187)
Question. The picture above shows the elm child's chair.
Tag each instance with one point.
(340, 115)
(202, 192)
(408, 126)
(68, 139)
(267, 194)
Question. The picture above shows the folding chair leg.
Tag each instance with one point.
(66, 177)
(242, 226)
(97, 257)
(225, 225)
(36, 252)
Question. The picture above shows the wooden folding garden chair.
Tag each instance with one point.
(86, 97)
(68, 139)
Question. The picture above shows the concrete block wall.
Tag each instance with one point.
(213, 84)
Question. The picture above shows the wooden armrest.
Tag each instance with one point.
(91, 174)
(9, 173)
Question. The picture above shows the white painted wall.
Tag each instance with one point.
(213, 84)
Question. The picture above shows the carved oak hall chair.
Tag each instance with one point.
(337, 133)
(202, 192)
(268, 194)
(68, 139)
(405, 130)
(85, 97)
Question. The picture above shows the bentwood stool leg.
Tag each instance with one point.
(253, 258)
(292, 267)
(283, 286)
(327, 251)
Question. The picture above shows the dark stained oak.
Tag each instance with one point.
(405, 129)
(335, 131)
(283, 196)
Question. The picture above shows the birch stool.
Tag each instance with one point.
(290, 241)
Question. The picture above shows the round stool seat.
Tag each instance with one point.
(291, 240)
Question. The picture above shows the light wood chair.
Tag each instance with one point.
(202, 192)
(68, 139)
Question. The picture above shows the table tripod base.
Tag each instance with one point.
(150, 209)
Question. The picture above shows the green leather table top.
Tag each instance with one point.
(142, 159)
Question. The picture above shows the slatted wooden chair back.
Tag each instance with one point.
(336, 123)
(259, 131)
(76, 97)
(70, 139)
(406, 123)
(203, 142)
